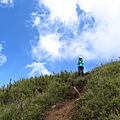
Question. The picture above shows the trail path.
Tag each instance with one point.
(61, 111)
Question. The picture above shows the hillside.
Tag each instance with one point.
(55, 97)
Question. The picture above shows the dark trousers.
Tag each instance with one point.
(80, 70)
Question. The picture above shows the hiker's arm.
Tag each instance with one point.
(82, 62)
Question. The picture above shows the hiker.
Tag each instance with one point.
(80, 64)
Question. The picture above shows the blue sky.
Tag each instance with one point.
(45, 36)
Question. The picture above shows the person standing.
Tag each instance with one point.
(80, 64)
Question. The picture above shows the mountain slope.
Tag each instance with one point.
(101, 98)
(44, 97)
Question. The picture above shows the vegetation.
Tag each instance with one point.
(28, 99)
(101, 98)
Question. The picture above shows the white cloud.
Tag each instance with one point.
(50, 46)
(65, 10)
(37, 67)
(6, 2)
(69, 28)
(92, 41)
(3, 58)
(104, 37)
(36, 21)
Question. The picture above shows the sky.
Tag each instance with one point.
(39, 37)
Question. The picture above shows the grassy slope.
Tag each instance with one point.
(28, 99)
(101, 98)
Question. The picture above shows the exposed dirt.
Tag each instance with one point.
(61, 111)
(65, 109)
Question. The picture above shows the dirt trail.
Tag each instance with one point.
(61, 111)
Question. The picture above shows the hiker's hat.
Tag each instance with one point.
(80, 56)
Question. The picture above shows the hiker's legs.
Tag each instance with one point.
(82, 70)
(78, 70)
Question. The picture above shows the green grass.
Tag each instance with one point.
(101, 98)
(28, 99)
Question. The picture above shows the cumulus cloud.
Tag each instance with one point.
(50, 47)
(104, 37)
(64, 10)
(69, 28)
(6, 2)
(87, 33)
(37, 67)
(3, 58)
